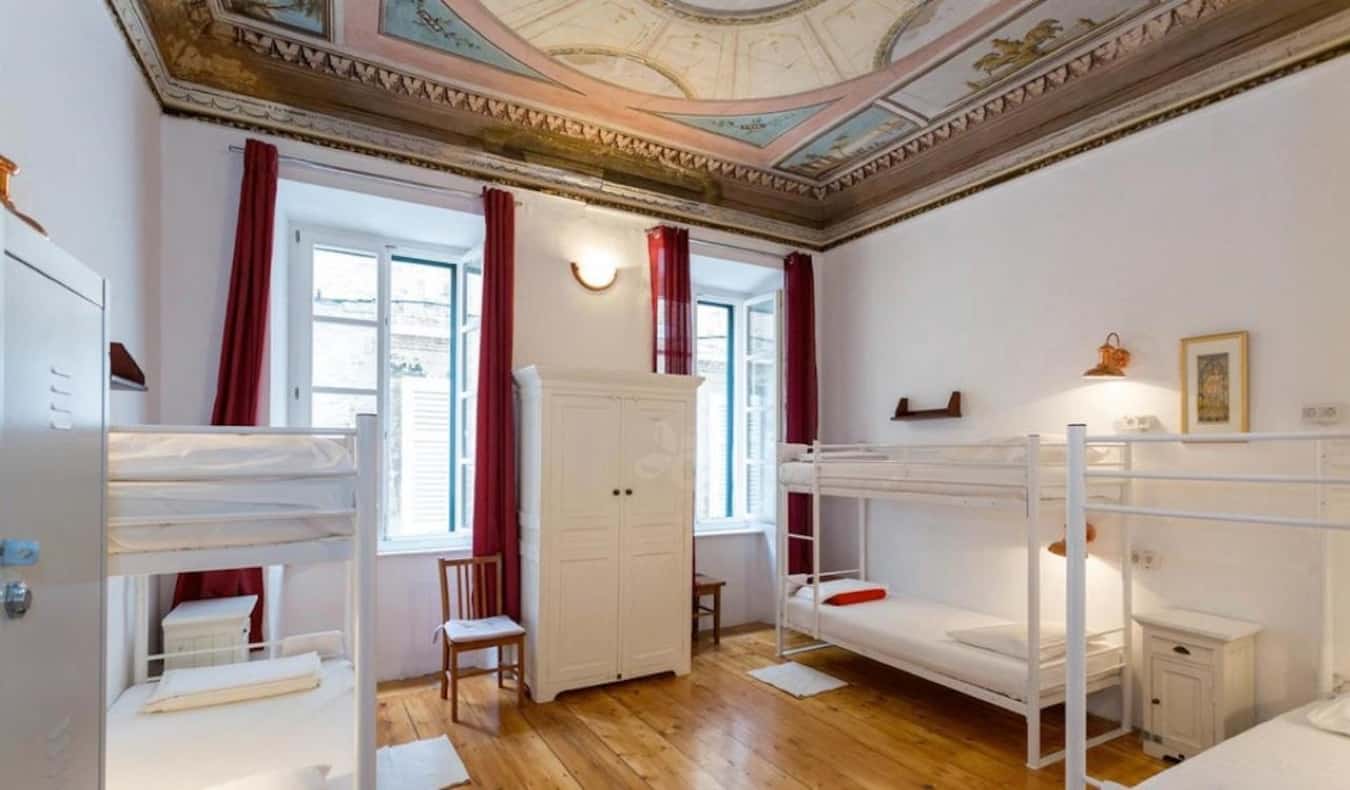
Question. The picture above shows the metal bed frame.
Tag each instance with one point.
(358, 550)
(1027, 497)
(1079, 506)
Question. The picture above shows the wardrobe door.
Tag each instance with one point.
(583, 540)
(657, 504)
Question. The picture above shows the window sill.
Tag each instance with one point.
(748, 528)
(413, 548)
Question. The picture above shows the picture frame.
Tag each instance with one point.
(1215, 384)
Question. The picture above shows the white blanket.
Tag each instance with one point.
(201, 687)
(1285, 752)
(190, 749)
(204, 456)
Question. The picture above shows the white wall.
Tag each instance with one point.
(1232, 217)
(79, 118)
(557, 322)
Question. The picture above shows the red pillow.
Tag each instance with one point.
(856, 596)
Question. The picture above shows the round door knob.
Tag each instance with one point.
(628, 492)
(616, 492)
(18, 599)
(1157, 701)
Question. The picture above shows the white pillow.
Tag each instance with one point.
(328, 644)
(1332, 715)
(311, 777)
(832, 588)
(1010, 639)
(201, 687)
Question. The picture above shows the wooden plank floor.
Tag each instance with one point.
(718, 728)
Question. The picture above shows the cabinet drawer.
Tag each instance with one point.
(1181, 650)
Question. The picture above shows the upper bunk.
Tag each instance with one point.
(202, 498)
(1001, 473)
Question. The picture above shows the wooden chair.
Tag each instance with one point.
(476, 624)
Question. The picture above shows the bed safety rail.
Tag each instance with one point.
(1079, 472)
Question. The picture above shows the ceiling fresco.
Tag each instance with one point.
(803, 120)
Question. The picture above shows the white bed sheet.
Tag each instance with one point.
(209, 456)
(914, 630)
(162, 516)
(1286, 751)
(187, 750)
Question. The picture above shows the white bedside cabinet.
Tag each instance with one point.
(1199, 678)
(203, 625)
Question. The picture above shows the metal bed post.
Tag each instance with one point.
(364, 573)
(1033, 693)
(1127, 596)
(1326, 682)
(862, 537)
(816, 535)
(781, 561)
(140, 590)
(1075, 699)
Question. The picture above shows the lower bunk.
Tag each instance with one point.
(915, 635)
(1286, 751)
(218, 744)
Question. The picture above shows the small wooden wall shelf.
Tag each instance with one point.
(953, 409)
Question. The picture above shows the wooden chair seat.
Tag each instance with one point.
(475, 624)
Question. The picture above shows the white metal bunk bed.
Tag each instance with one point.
(1286, 751)
(206, 498)
(909, 633)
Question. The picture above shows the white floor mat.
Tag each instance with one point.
(798, 680)
(421, 765)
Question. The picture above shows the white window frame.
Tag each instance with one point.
(300, 390)
(741, 520)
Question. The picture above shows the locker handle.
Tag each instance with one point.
(1181, 649)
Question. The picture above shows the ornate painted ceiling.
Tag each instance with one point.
(809, 121)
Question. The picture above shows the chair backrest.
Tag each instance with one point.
(476, 581)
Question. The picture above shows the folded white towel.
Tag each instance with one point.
(484, 628)
(200, 687)
(1332, 715)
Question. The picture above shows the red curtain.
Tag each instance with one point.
(241, 352)
(672, 300)
(799, 297)
(495, 525)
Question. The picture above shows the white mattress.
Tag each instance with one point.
(192, 749)
(197, 491)
(914, 631)
(1286, 751)
(211, 456)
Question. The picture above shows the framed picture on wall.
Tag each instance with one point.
(1214, 384)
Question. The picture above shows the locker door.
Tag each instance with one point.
(657, 519)
(585, 541)
(53, 356)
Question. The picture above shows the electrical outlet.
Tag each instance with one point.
(1322, 413)
(1145, 559)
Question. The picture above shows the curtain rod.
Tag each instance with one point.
(350, 171)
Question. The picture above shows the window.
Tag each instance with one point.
(737, 356)
(715, 358)
(392, 329)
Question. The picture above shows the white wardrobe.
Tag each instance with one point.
(606, 517)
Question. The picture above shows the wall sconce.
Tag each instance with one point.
(1060, 548)
(1112, 360)
(595, 275)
